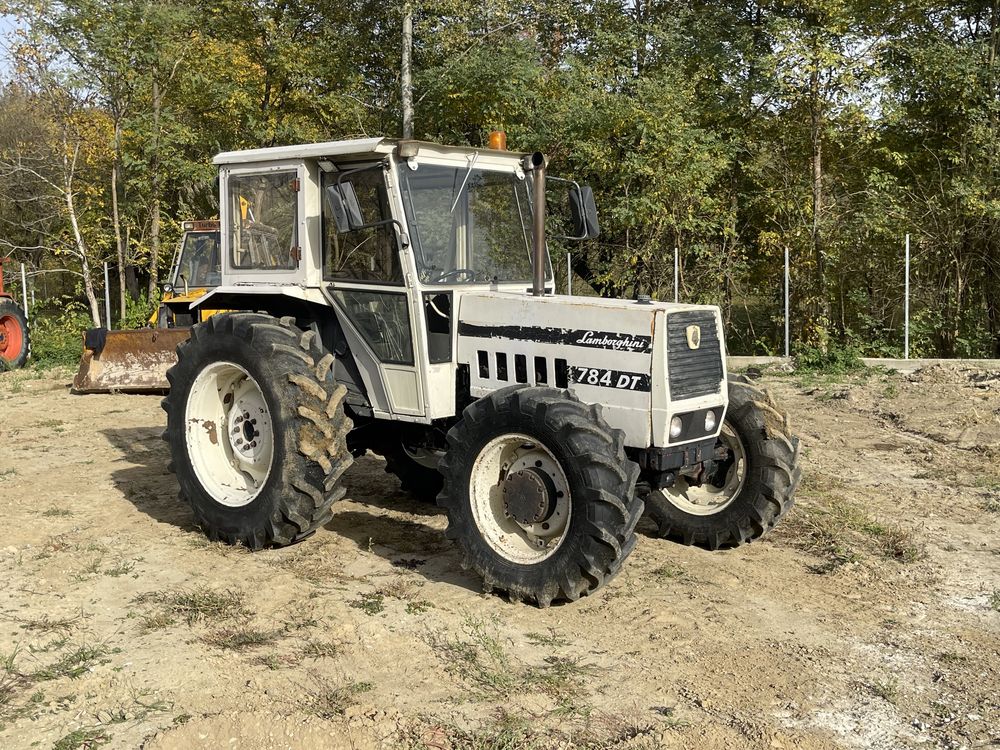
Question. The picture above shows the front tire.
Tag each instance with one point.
(539, 494)
(15, 345)
(749, 492)
(257, 430)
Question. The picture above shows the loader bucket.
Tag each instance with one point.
(133, 361)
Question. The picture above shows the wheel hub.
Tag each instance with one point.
(529, 496)
(234, 465)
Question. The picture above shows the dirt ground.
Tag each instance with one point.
(870, 618)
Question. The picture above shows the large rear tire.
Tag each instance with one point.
(751, 488)
(539, 494)
(15, 344)
(257, 430)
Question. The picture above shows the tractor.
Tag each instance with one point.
(397, 297)
(15, 343)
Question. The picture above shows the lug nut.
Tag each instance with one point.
(253, 421)
(253, 444)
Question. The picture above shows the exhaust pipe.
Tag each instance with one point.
(536, 163)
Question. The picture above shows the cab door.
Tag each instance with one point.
(362, 262)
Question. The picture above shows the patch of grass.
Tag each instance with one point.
(669, 572)
(156, 621)
(121, 568)
(55, 512)
(994, 600)
(275, 661)
(887, 690)
(372, 603)
(320, 649)
(84, 738)
(418, 606)
(841, 533)
(4, 473)
(900, 544)
(480, 658)
(241, 638)
(75, 663)
(91, 568)
(991, 503)
(329, 702)
(834, 360)
(199, 604)
(46, 624)
(548, 640)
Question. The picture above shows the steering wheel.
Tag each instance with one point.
(454, 272)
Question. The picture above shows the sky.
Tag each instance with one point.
(7, 25)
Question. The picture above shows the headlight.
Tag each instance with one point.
(709, 421)
(676, 427)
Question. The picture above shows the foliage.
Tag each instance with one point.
(731, 131)
(56, 335)
(833, 360)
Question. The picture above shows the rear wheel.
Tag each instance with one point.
(14, 342)
(539, 494)
(257, 429)
(750, 487)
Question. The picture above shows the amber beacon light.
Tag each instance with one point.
(498, 140)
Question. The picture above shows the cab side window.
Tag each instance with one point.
(264, 232)
(366, 253)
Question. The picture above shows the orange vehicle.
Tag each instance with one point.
(15, 344)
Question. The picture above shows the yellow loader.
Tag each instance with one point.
(122, 360)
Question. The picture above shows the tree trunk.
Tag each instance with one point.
(816, 142)
(69, 167)
(154, 204)
(116, 220)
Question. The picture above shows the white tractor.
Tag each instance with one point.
(399, 298)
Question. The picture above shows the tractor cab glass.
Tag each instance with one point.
(200, 261)
(359, 240)
(468, 225)
(264, 227)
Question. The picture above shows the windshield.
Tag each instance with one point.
(199, 262)
(468, 225)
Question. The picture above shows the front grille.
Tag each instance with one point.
(693, 372)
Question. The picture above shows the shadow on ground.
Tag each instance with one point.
(146, 482)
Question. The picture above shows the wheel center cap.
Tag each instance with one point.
(529, 496)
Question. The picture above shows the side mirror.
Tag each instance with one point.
(168, 288)
(344, 207)
(583, 212)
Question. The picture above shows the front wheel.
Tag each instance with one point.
(749, 487)
(539, 494)
(257, 430)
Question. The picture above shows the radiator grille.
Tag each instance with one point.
(693, 372)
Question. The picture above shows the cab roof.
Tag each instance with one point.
(333, 149)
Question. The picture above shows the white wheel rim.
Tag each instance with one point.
(229, 434)
(520, 543)
(709, 499)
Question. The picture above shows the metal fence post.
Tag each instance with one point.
(906, 304)
(569, 273)
(24, 291)
(787, 348)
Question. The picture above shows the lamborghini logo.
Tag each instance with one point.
(694, 337)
